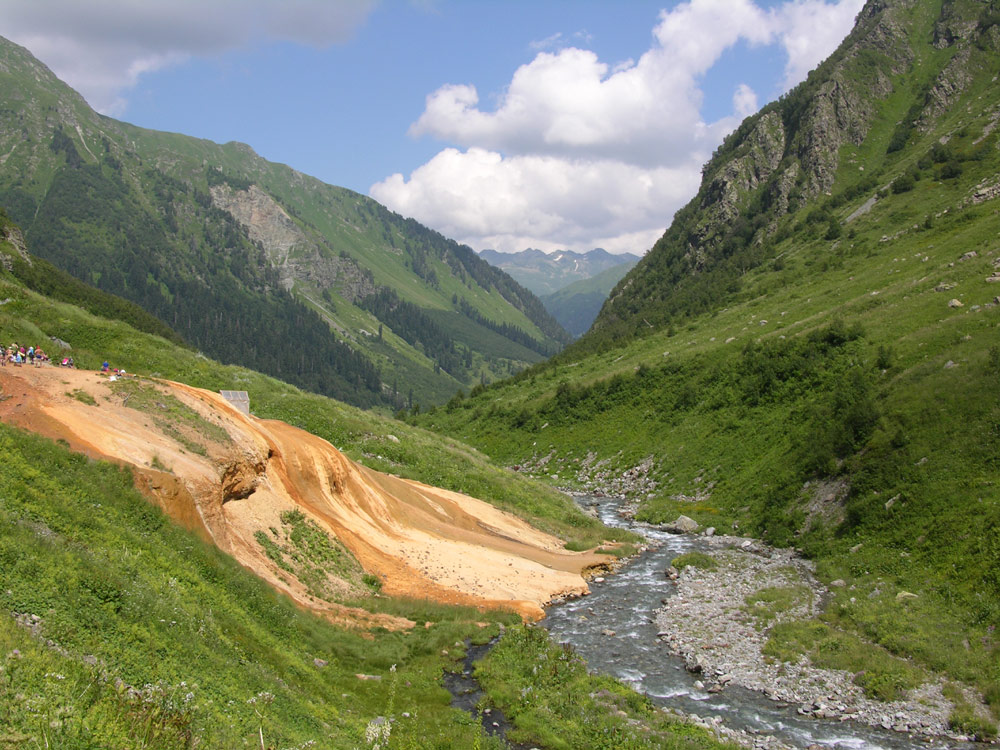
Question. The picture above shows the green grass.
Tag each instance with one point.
(167, 410)
(766, 605)
(880, 674)
(82, 396)
(547, 692)
(698, 560)
(314, 556)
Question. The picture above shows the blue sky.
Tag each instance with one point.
(549, 124)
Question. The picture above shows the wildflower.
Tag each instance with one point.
(377, 733)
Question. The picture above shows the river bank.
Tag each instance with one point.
(714, 624)
(647, 629)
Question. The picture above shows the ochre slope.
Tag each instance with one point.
(422, 541)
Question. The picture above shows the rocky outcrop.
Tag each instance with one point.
(950, 84)
(12, 235)
(240, 479)
(773, 164)
(297, 255)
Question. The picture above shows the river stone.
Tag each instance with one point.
(692, 663)
(683, 525)
(710, 531)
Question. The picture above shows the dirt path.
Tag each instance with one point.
(229, 476)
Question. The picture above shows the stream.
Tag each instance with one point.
(626, 602)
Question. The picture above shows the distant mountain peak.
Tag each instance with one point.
(545, 273)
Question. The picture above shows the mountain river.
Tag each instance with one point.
(626, 602)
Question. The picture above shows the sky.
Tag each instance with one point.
(505, 124)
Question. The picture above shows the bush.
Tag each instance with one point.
(963, 719)
(950, 170)
(904, 183)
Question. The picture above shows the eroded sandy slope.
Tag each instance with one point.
(421, 541)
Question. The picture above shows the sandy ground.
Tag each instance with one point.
(424, 542)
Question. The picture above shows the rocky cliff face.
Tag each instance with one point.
(789, 154)
(296, 255)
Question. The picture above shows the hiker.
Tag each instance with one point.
(105, 366)
(31, 356)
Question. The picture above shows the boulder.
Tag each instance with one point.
(683, 525)
(692, 663)
(955, 303)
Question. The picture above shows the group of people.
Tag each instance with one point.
(18, 355)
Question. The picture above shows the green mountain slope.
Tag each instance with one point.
(811, 353)
(253, 262)
(576, 305)
(119, 629)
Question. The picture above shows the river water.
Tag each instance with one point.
(626, 602)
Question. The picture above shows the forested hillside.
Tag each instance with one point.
(811, 352)
(253, 262)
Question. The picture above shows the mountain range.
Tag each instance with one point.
(545, 273)
(254, 262)
(572, 286)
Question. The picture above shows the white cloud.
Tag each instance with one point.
(486, 200)
(578, 153)
(744, 100)
(102, 47)
(810, 30)
(552, 40)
